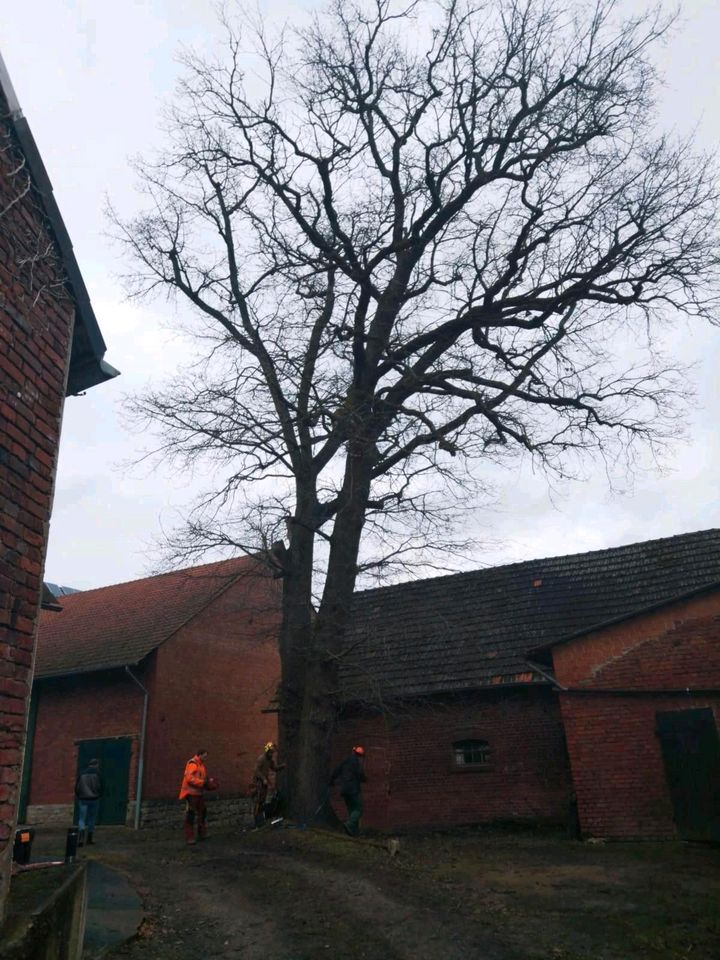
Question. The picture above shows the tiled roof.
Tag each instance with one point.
(118, 625)
(468, 630)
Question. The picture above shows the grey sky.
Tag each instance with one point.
(91, 77)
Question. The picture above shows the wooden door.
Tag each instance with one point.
(114, 757)
(691, 753)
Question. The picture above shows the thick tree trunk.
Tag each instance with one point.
(322, 695)
(295, 634)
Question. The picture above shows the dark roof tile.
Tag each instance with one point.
(472, 629)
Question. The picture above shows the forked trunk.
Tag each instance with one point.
(309, 724)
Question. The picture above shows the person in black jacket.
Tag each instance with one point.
(88, 791)
(350, 776)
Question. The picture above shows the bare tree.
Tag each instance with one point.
(438, 233)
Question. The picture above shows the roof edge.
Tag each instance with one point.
(640, 611)
(88, 368)
(502, 684)
(534, 561)
(81, 671)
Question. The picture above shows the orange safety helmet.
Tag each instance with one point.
(360, 751)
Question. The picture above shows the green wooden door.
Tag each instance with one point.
(691, 753)
(114, 757)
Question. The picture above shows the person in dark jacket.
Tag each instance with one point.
(350, 776)
(265, 767)
(88, 791)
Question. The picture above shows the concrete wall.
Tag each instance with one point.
(412, 777)
(36, 321)
(615, 755)
(46, 915)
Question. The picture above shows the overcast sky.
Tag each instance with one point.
(92, 77)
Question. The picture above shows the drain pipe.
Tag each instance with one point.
(141, 755)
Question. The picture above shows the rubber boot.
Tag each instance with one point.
(189, 833)
(81, 838)
(89, 838)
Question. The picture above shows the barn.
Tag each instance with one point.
(140, 675)
(580, 690)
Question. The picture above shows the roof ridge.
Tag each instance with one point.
(158, 576)
(537, 560)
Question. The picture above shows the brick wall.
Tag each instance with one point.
(210, 684)
(579, 661)
(84, 707)
(36, 319)
(615, 755)
(413, 781)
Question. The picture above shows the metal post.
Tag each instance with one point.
(71, 844)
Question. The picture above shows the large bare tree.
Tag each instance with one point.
(421, 236)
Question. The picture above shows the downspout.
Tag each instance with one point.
(141, 755)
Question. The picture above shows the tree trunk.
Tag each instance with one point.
(295, 634)
(322, 695)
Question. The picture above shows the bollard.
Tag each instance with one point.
(71, 845)
(22, 848)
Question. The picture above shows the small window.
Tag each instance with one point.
(471, 753)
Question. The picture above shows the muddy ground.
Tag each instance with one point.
(286, 894)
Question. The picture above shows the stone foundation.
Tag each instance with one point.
(56, 814)
(225, 810)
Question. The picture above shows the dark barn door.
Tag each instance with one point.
(114, 757)
(691, 752)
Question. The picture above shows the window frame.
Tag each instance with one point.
(473, 766)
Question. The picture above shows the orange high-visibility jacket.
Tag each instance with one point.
(193, 779)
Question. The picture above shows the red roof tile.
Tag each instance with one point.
(120, 624)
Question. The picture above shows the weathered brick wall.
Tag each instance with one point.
(211, 682)
(615, 755)
(36, 319)
(84, 707)
(413, 781)
(579, 661)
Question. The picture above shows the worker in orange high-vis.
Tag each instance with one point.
(195, 782)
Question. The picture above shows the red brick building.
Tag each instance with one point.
(50, 347)
(527, 691)
(140, 675)
(640, 701)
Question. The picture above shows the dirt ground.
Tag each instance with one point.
(287, 894)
